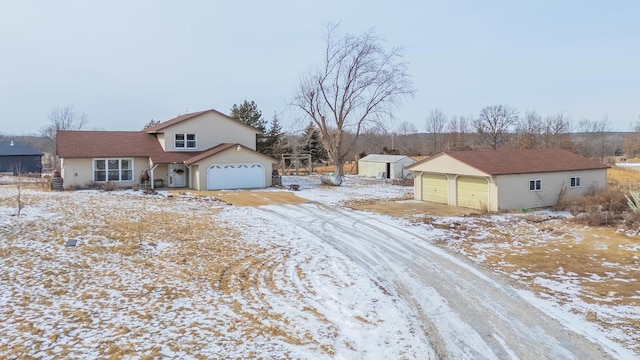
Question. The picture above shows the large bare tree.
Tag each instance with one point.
(358, 85)
(63, 118)
(555, 131)
(494, 124)
(528, 130)
(435, 125)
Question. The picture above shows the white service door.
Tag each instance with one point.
(235, 176)
(177, 175)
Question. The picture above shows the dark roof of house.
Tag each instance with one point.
(523, 161)
(163, 125)
(14, 148)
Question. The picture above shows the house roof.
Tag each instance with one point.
(108, 144)
(159, 128)
(14, 148)
(382, 158)
(524, 161)
(224, 147)
(87, 144)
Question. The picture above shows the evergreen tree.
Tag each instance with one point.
(248, 113)
(311, 144)
(276, 142)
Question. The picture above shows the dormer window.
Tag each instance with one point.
(185, 141)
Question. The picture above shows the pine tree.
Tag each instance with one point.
(311, 144)
(276, 142)
(248, 113)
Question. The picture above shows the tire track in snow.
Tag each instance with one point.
(465, 313)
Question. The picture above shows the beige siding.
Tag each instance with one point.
(232, 156)
(445, 164)
(472, 192)
(367, 168)
(514, 189)
(435, 188)
(211, 129)
(78, 173)
(160, 138)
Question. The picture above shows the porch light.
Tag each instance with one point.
(238, 148)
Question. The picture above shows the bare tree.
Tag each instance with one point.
(494, 123)
(594, 136)
(358, 85)
(528, 130)
(555, 131)
(632, 141)
(436, 123)
(406, 133)
(63, 118)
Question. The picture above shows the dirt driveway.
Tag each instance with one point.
(410, 208)
(253, 198)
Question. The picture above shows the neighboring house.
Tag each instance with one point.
(498, 180)
(205, 150)
(19, 157)
(385, 166)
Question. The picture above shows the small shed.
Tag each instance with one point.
(19, 157)
(385, 166)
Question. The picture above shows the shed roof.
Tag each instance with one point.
(520, 161)
(14, 148)
(382, 158)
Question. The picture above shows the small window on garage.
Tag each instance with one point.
(535, 185)
(575, 181)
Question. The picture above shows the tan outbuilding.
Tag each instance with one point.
(496, 180)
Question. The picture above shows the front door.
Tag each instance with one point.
(177, 175)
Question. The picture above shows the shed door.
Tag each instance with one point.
(235, 176)
(472, 192)
(435, 188)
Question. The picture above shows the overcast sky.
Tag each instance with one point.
(126, 62)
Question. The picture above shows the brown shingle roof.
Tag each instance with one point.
(525, 161)
(163, 125)
(86, 144)
(104, 144)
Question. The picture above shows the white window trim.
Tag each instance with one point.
(535, 181)
(185, 135)
(577, 181)
(106, 169)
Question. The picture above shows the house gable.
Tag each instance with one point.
(443, 163)
(201, 131)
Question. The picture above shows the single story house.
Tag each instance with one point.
(385, 166)
(21, 158)
(205, 150)
(496, 180)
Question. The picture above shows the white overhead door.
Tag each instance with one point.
(235, 176)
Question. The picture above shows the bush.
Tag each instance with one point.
(597, 207)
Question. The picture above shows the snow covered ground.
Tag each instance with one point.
(191, 277)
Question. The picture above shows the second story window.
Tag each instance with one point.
(185, 141)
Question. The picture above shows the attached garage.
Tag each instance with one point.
(435, 188)
(472, 192)
(235, 176)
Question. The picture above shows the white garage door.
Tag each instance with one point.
(235, 176)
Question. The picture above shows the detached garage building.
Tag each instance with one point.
(496, 180)
(385, 166)
(19, 157)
